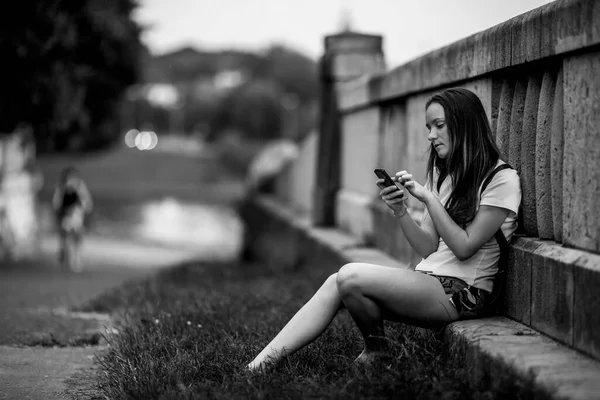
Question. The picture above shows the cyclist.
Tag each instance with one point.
(72, 202)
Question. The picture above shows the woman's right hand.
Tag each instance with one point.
(393, 196)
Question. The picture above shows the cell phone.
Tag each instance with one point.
(382, 174)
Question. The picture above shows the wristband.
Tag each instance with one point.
(401, 215)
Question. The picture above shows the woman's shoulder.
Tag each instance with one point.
(505, 180)
(509, 174)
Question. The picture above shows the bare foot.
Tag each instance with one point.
(369, 357)
(260, 367)
(256, 368)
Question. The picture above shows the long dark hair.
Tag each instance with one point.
(473, 152)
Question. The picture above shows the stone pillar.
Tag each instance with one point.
(348, 56)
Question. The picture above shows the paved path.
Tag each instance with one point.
(153, 210)
(35, 299)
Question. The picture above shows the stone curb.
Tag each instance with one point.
(277, 235)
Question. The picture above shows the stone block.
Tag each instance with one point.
(528, 151)
(533, 31)
(496, 93)
(353, 214)
(504, 116)
(352, 65)
(576, 25)
(499, 42)
(519, 39)
(384, 234)
(482, 54)
(581, 177)
(350, 42)
(393, 138)
(543, 181)
(552, 292)
(517, 302)
(360, 151)
(557, 158)
(354, 94)
(587, 305)
(483, 89)
(303, 172)
(516, 124)
(549, 24)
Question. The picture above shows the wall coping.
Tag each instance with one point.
(557, 28)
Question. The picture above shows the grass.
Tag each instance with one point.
(188, 332)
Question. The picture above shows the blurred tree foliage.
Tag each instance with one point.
(256, 108)
(65, 67)
(253, 108)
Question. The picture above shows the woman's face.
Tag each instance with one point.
(435, 120)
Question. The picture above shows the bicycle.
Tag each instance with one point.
(71, 229)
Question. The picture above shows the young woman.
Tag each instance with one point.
(455, 238)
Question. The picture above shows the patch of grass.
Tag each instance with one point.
(189, 332)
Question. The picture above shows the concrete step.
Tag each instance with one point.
(280, 236)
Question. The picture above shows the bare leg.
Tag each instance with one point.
(304, 327)
(372, 293)
(62, 245)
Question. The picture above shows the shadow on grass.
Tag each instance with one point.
(189, 332)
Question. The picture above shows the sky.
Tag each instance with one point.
(409, 28)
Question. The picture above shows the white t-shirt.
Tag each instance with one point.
(503, 191)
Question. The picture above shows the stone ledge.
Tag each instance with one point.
(277, 235)
(560, 27)
(495, 344)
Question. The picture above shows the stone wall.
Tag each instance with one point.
(19, 185)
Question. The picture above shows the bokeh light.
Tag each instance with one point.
(130, 137)
(154, 140)
(145, 140)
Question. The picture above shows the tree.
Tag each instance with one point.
(294, 72)
(67, 64)
(253, 108)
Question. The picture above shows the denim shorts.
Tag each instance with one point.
(469, 301)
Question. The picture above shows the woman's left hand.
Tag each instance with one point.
(413, 187)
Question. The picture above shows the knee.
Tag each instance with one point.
(348, 279)
(330, 285)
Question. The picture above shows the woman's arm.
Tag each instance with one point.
(424, 239)
(86, 197)
(463, 242)
(56, 198)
